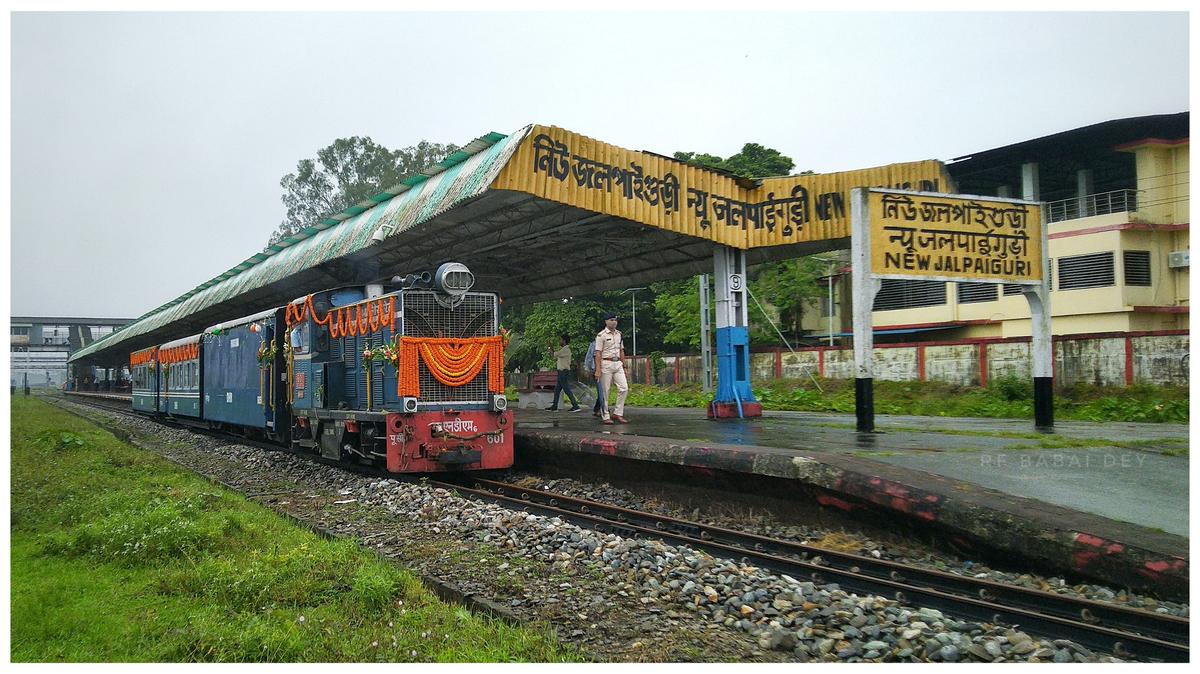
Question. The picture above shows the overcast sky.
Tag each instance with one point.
(147, 148)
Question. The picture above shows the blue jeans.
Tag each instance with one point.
(599, 399)
(564, 384)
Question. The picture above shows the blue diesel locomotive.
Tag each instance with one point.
(410, 377)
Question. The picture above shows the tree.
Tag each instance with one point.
(678, 305)
(785, 285)
(754, 161)
(578, 318)
(789, 286)
(344, 173)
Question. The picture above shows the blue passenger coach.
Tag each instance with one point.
(244, 378)
(179, 377)
(142, 367)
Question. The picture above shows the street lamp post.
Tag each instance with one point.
(633, 299)
(829, 282)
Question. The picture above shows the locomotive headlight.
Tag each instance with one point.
(499, 403)
(408, 405)
(453, 278)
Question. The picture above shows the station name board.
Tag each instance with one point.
(651, 189)
(916, 235)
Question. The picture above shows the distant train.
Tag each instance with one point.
(407, 375)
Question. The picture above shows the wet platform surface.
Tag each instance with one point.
(1121, 471)
(1108, 501)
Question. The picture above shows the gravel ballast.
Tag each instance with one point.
(618, 599)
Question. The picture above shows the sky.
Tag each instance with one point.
(147, 148)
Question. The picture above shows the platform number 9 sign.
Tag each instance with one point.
(735, 282)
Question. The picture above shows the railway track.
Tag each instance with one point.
(1123, 631)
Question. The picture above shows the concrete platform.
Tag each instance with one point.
(1104, 501)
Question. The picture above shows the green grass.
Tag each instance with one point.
(119, 556)
(1008, 398)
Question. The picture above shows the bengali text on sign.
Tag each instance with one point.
(920, 235)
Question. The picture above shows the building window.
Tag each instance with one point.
(909, 294)
(1086, 271)
(970, 292)
(1137, 267)
(56, 334)
(19, 331)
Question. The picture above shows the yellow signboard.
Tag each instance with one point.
(941, 237)
(651, 189)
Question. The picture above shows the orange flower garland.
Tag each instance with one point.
(347, 320)
(352, 321)
(142, 357)
(179, 354)
(453, 362)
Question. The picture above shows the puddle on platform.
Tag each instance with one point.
(866, 440)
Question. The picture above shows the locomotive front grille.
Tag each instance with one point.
(434, 391)
(424, 316)
(474, 316)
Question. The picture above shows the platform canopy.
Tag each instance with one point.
(539, 214)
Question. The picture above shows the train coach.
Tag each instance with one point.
(409, 377)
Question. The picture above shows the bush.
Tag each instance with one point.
(1007, 397)
(60, 441)
(1011, 387)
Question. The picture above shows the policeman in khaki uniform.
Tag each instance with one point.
(610, 368)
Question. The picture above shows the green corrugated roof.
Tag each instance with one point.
(463, 175)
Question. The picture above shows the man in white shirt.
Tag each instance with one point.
(610, 368)
(562, 363)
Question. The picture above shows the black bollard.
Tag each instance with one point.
(1043, 403)
(864, 404)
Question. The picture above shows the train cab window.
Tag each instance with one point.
(297, 339)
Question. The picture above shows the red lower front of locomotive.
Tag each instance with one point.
(449, 440)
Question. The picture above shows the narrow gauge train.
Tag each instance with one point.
(408, 375)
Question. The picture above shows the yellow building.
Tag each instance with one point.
(1116, 196)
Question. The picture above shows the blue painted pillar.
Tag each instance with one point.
(733, 398)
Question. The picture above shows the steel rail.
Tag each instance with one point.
(882, 577)
(1165, 627)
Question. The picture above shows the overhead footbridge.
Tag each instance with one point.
(540, 214)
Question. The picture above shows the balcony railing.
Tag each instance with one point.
(1117, 201)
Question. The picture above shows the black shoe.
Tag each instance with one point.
(552, 408)
(575, 409)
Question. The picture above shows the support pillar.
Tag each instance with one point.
(733, 397)
(1083, 189)
(1041, 346)
(1030, 188)
(865, 287)
(706, 365)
